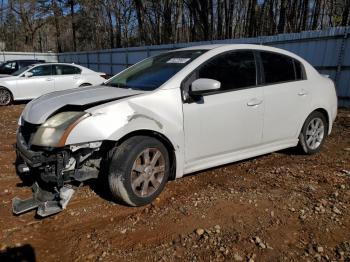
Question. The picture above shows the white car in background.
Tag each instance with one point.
(35, 80)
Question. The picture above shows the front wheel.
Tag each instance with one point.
(313, 133)
(139, 170)
(5, 97)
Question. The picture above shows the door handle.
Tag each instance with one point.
(49, 79)
(76, 77)
(254, 102)
(302, 93)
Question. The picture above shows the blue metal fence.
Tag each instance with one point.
(328, 51)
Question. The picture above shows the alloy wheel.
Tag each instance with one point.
(148, 172)
(315, 133)
(5, 97)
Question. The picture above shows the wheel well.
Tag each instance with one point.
(325, 113)
(169, 146)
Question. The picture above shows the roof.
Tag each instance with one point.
(57, 63)
(24, 60)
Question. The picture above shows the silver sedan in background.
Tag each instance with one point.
(35, 80)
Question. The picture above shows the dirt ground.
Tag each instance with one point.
(278, 207)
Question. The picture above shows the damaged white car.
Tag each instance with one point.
(169, 115)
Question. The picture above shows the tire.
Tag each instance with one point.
(5, 97)
(313, 133)
(131, 172)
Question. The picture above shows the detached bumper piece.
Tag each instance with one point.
(45, 202)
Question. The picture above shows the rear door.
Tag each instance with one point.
(66, 77)
(40, 83)
(286, 95)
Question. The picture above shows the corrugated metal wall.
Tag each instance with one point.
(48, 57)
(328, 51)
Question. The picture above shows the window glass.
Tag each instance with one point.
(20, 71)
(277, 68)
(233, 70)
(299, 72)
(10, 65)
(154, 71)
(66, 70)
(41, 70)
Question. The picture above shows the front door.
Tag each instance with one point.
(230, 119)
(41, 82)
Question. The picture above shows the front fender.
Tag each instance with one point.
(161, 113)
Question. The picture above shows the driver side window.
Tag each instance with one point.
(234, 70)
(41, 70)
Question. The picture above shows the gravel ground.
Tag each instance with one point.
(278, 207)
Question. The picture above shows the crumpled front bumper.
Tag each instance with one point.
(53, 172)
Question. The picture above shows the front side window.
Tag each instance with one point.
(234, 70)
(22, 70)
(277, 68)
(151, 73)
(41, 70)
(66, 70)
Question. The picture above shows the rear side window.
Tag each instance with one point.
(233, 70)
(66, 70)
(277, 68)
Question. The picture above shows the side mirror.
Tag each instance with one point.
(203, 85)
(28, 74)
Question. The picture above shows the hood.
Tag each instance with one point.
(38, 110)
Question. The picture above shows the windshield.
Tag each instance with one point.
(23, 69)
(151, 73)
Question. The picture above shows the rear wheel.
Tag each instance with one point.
(313, 133)
(5, 97)
(139, 170)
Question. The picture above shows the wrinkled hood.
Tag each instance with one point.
(38, 110)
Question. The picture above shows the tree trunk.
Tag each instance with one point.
(316, 14)
(140, 14)
(57, 14)
(72, 13)
(282, 20)
(219, 19)
(345, 15)
(305, 15)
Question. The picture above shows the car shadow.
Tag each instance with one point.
(101, 188)
(22, 253)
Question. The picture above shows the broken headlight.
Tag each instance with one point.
(54, 132)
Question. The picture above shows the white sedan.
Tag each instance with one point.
(35, 80)
(170, 115)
